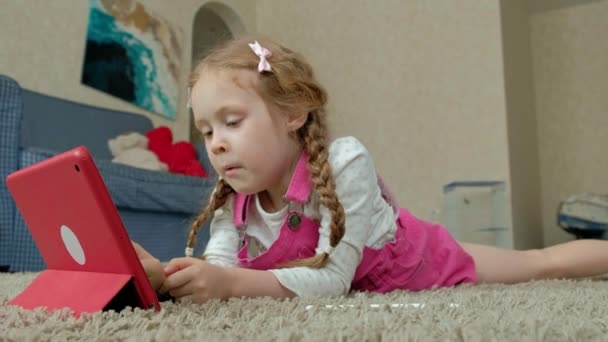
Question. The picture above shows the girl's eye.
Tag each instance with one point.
(207, 134)
(233, 123)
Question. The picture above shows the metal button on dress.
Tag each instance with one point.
(294, 220)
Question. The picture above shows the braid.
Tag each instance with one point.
(314, 135)
(217, 200)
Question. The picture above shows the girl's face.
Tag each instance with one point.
(248, 146)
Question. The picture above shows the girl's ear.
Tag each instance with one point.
(296, 120)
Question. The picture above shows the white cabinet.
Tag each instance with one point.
(477, 212)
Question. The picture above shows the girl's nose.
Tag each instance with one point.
(218, 145)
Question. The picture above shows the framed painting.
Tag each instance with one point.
(133, 54)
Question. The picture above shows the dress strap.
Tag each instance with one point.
(241, 202)
(301, 184)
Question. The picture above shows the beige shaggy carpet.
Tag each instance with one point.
(535, 311)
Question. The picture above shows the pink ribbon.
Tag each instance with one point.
(263, 53)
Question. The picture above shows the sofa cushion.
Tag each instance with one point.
(140, 189)
(55, 124)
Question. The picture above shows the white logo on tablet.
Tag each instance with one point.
(72, 244)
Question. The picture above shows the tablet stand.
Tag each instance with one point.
(79, 291)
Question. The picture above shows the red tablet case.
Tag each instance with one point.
(91, 264)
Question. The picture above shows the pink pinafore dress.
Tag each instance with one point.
(421, 256)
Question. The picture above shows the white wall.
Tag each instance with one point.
(420, 82)
(570, 63)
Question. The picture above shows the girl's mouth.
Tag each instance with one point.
(231, 170)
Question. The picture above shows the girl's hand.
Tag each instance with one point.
(152, 266)
(195, 280)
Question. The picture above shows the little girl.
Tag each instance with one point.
(294, 214)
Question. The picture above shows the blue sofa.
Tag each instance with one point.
(156, 207)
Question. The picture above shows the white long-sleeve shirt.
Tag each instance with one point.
(369, 221)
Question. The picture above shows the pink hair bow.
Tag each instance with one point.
(263, 53)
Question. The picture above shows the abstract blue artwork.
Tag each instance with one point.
(133, 54)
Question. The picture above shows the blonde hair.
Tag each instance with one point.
(290, 88)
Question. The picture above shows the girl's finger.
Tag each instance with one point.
(182, 291)
(177, 279)
(179, 263)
